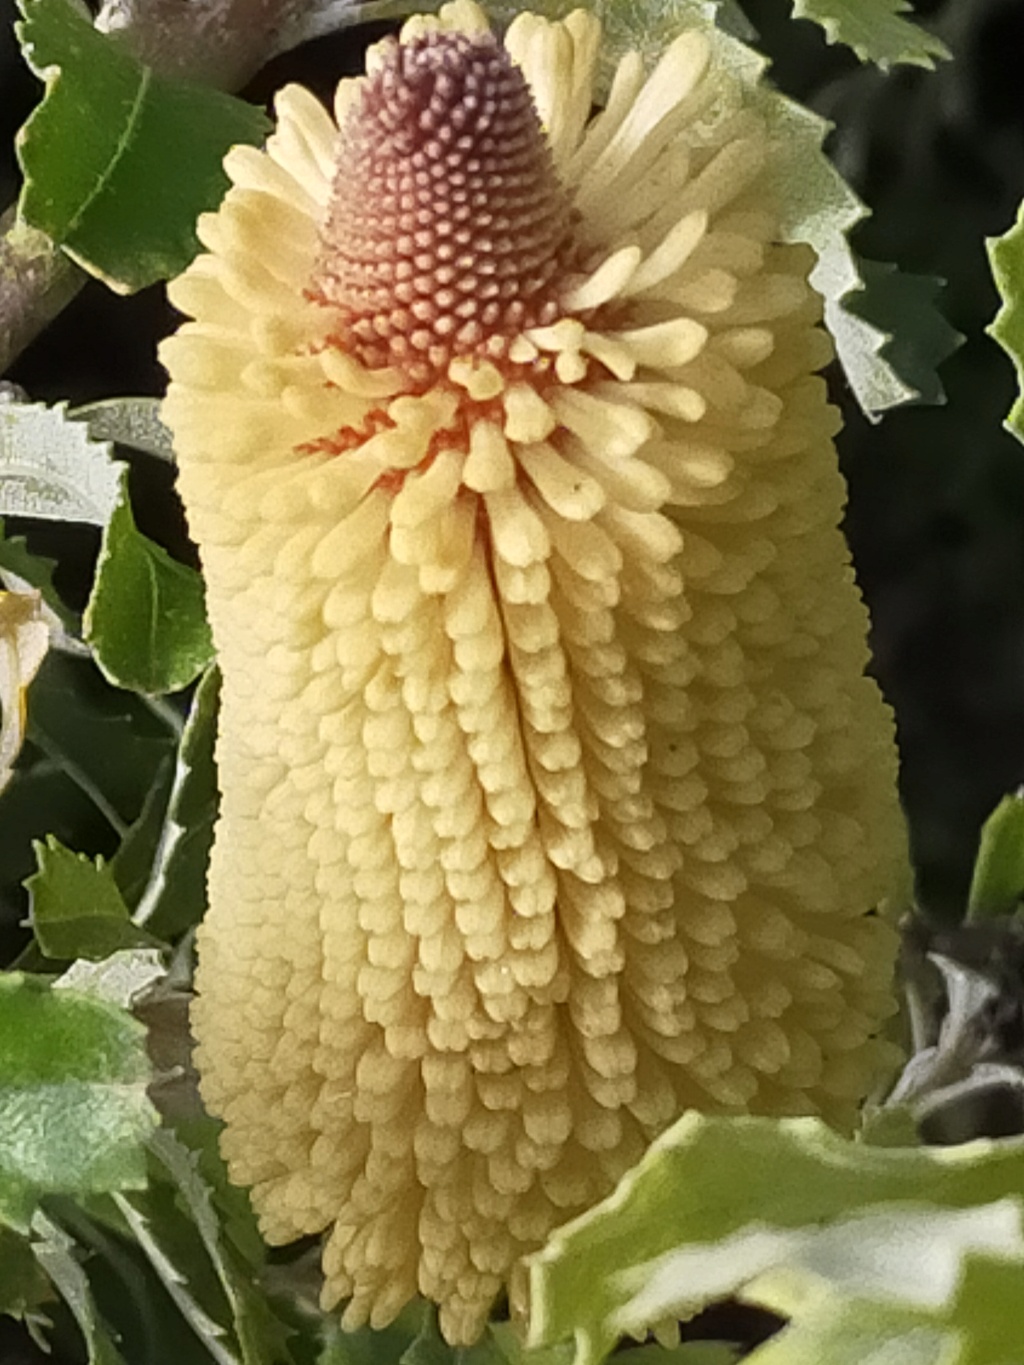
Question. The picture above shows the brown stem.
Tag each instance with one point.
(37, 280)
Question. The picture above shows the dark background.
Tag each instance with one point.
(936, 514)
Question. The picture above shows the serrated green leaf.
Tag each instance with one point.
(176, 1256)
(997, 884)
(76, 908)
(133, 422)
(1006, 255)
(73, 1108)
(50, 467)
(709, 1179)
(175, 895)
(904, 308)
(201, 1137)
(874, 30)
(140, 1316)
(251, 1322)
(119, 163)
(146, 615)
(23, 1286)
(55, 1252)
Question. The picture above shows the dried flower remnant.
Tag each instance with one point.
(555, 800)
(25, 628)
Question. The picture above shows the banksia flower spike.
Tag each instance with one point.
(555, 800)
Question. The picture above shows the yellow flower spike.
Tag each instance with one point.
(555, 800)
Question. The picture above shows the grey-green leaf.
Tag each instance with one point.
(133, 422)
(55, 1252)
(51, 467)
(74, 1114)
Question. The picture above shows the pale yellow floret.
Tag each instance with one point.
(554, 797)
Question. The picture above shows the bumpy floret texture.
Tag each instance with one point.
(555, 797)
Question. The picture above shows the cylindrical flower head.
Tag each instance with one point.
(555, 800)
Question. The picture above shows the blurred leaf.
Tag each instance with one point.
(132, 864)
(714, 1184)
(108, 741)
(76, 908)
(365, 1346)
(73, 1108)
(856, 1333)
(50, 467)
(54, 1250)
(508, 1338)
(1006, 255)
(23, 1286)
(429, 1348)
(119, 163)
(909, 1254)
(133, 422)
(874, 30)
(986, 1316)
(175, 896)
(997, 884)
(119, 979)
(905, 308)
(24, 640)
(686, 1353)
(146, 616)
(36, 570)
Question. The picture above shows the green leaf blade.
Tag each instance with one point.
(74, 1114)
(55, 1252)
(997, 884)
(174, 897)
(875, 30)
(146, 616)
(1006, 256)
(76, 907)
(903, 309)
(118, 162)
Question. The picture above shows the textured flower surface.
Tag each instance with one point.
(555, 800)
